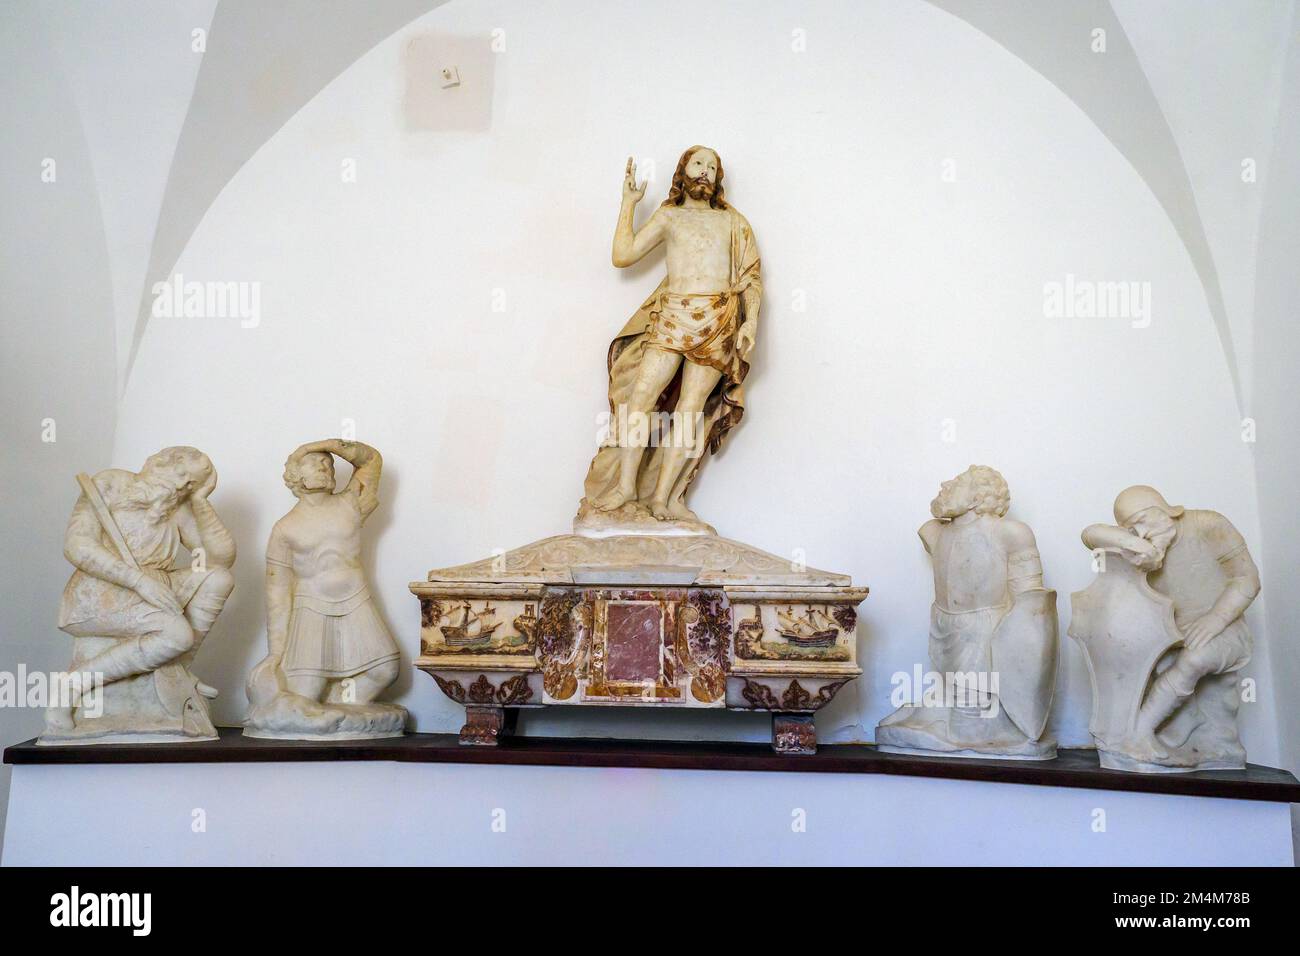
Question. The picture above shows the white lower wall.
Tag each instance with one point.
(336, 814)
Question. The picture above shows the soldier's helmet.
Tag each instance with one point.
(1134, 500)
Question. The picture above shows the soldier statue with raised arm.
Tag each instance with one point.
(330, 654)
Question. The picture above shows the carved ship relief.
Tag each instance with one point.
(800, 633)
(814, 629)
(468, 628)
(455, 628)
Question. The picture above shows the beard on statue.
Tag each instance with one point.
(700, 189)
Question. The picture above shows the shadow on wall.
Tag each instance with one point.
(1063, 42)
(233, 113)
(57, 383)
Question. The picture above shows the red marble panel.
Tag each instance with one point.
(632, 639)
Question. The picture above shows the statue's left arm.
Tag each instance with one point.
(929, 534)
(367, 466)
(201, 527)
(1024, 566)
(750, 282)
(1237, 594)
(1134, 548)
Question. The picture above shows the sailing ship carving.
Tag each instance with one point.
(814, 629)
(468, 627)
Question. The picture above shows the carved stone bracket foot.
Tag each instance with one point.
(794, 734)
(484, 726)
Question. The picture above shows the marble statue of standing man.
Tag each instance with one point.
(681, 357)
(330, 654)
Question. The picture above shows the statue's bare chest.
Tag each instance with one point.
(700, 228)
(699, 244)
(334, 526)
(970, 569)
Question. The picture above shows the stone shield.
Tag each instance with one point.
(1124, 626)
(1024, 654)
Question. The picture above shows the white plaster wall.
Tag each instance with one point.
(56, 348)
(1277, 302)
(131, 70)
(924, 303)
(1211, 66)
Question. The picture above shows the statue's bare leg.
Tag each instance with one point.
(167, 637)
(368, 685)
(202, 613)
(657, 369)
(687, 435)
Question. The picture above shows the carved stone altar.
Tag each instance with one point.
(634, 620)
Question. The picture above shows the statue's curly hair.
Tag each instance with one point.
(177, 465)
(677, 192)
(293, 469)
(992, 496)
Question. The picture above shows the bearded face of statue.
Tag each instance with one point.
(167, 479)
(956, 497)
(154, 494)
(310, 473)
(317, 472)
(701, 174)
(1156, 527)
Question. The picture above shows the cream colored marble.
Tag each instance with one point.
(993, 620)
(1162, 631)
(152, 561)
(640, 559)
(689, 340)
(329, 653)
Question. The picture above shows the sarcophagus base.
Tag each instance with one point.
(637, 621)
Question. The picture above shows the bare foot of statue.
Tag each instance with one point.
(661, 510)
(207, 690)
(614, 499)
(679, 511)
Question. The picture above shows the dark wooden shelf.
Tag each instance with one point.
(1073, 768)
